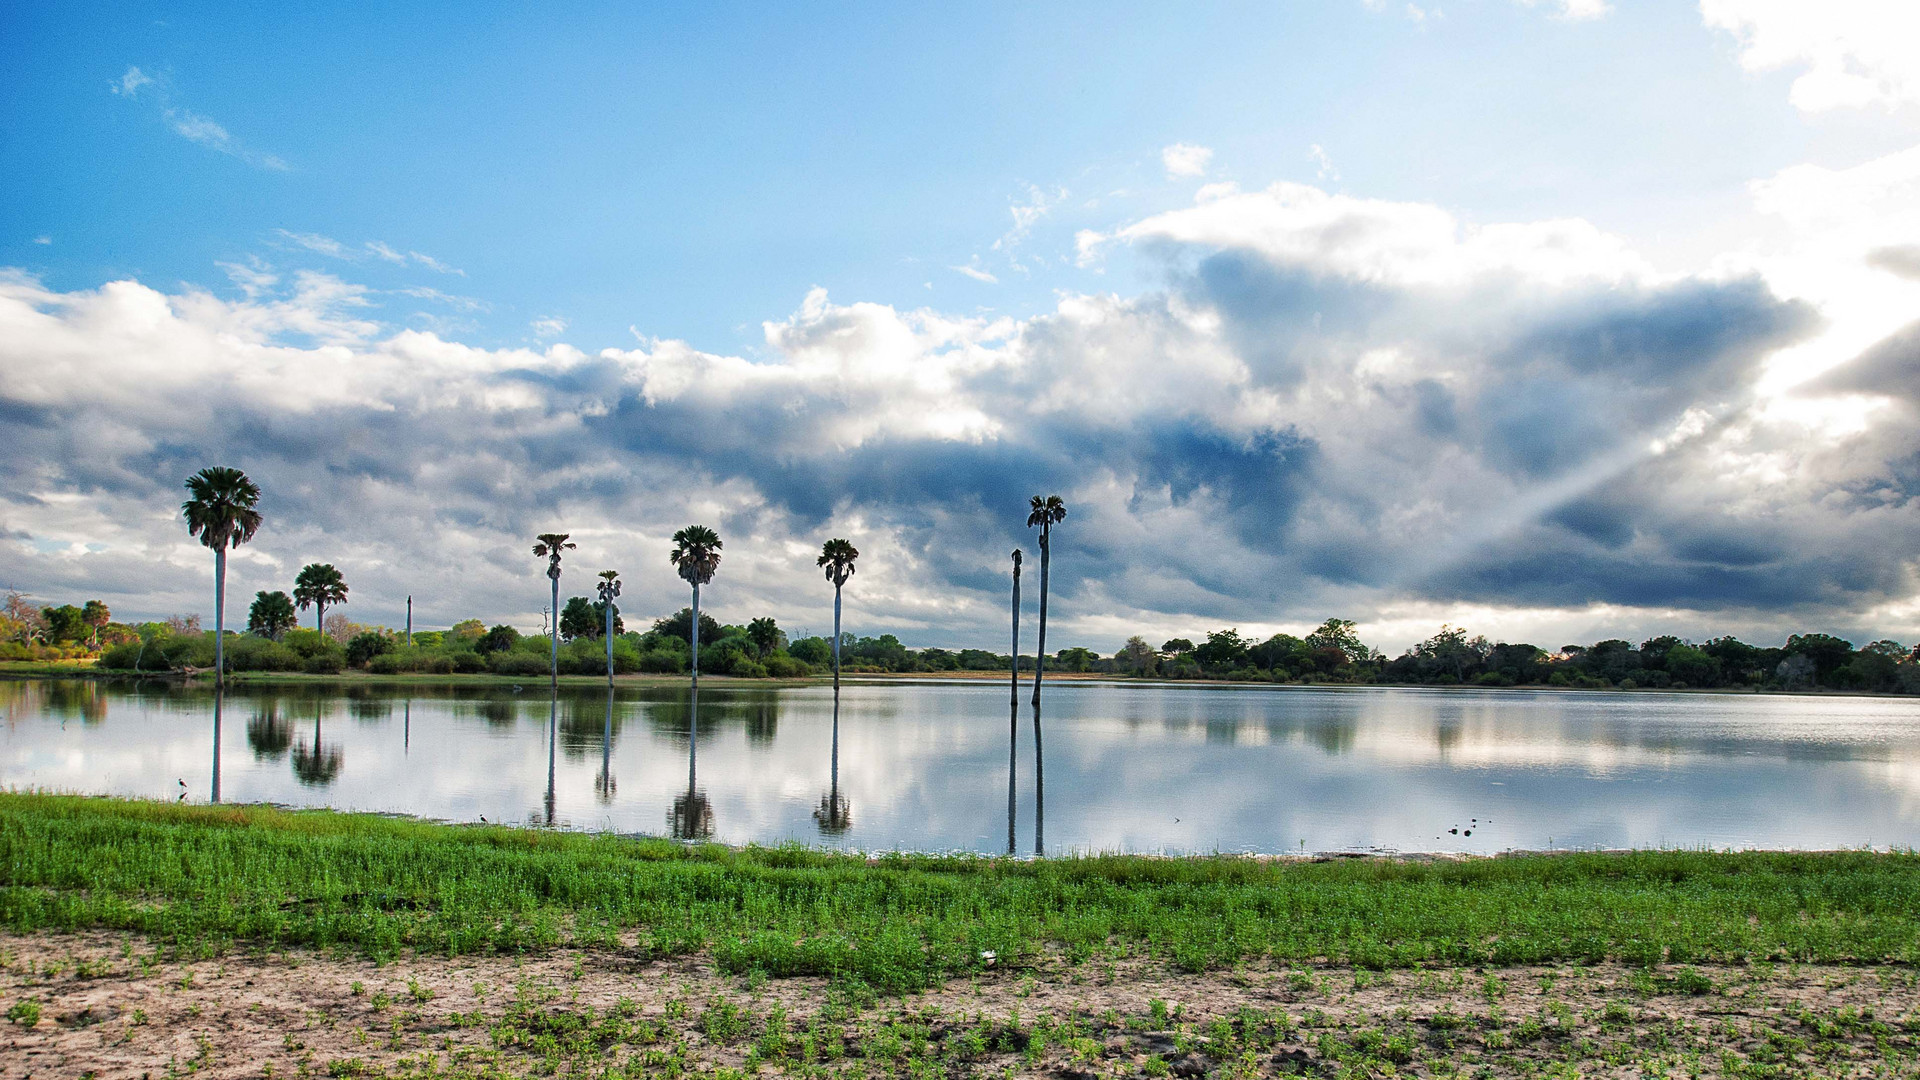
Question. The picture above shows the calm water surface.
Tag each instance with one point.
(926, 765)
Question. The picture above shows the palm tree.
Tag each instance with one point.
(1046, 512)
(548, 546)
(1013, 709)
(221, 512)
(609, 588)
(317, 586)
(837, 557)
(696, 553)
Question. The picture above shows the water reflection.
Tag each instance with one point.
(691, 816)
(834, 815)
(315, 766)
(1135, 767)
(603, 783)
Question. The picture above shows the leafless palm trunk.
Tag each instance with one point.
(1040, 653)
(219, 615)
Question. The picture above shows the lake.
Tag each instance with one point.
(925, 765)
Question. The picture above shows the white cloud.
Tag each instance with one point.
(1396, 242)
(130, 83)
(43, 240)
(315, 242)
(1323, 165)
(1186, 159)
(1855, 53)
(549, 326)
(975, 273)
(328, 246)
(1574, 10)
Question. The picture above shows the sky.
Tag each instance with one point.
(1558, 319)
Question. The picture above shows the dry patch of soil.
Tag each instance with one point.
(105, 1007)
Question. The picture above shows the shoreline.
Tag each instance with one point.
(32, 670)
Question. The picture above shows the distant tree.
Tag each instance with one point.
(1176, 646)
(366, 645)
(696, 555)
(319, 586)
(64, 624)
(465, 631)
(1797, 669)
(579, 620)
(96, 616)
(1827, 652)
(183, 624)
(1046, 512)
(766, 637)
(550, 546)
(499, 639)
(811, 650)
(1223, 650)
(1136, 656)
(271, 615)
(1339, 634)
(1689, 664)
(680, 625)
(339, 629)
(1075, 659)
(837, 559)
(1282, 652)
(221, 510)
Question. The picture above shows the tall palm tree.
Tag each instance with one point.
(1046, 513)
(317, 586)
(609, 588)
(221, 511)
(1013, 711)
(696, 553)
(548, 546)
(837, 557)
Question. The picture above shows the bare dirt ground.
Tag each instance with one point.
(102, 1006)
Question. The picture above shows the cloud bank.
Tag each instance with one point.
(1332, 405)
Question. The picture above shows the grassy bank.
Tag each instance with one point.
(203, 877)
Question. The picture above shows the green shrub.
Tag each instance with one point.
(1495, 678)
(308, 643)
(747, 669)
(326, 663)
(261, 654)
(516, 663)
(783, 666)
(663, 662)
(366, 645)
(466, 661)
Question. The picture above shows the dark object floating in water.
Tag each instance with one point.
(1469, 832)
(1455, 832)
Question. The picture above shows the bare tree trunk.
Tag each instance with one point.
(554, 673)
(1040, 653)
(695, 636)
(219, 615)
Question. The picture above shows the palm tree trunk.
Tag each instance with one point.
(319, 617)
(1013, 713)
(609, 644)
(694, 636)
(836, 647)
(1040, 654)
(554, 674)
(219, 615)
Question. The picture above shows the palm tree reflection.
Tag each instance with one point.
(267, 734)
(553, 736)
(691, 816)
(1039, 789)
(603, 784)
(218, 695)
(319, 764)
(834, 815)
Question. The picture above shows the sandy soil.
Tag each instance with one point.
(102, 1006)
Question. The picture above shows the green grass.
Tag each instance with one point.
(200, 878)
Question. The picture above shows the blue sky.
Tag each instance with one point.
(516, 191)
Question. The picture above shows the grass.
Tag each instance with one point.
(201, 878)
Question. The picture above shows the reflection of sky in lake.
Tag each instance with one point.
(1127, 767)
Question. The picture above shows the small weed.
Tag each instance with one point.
(25, 1012)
